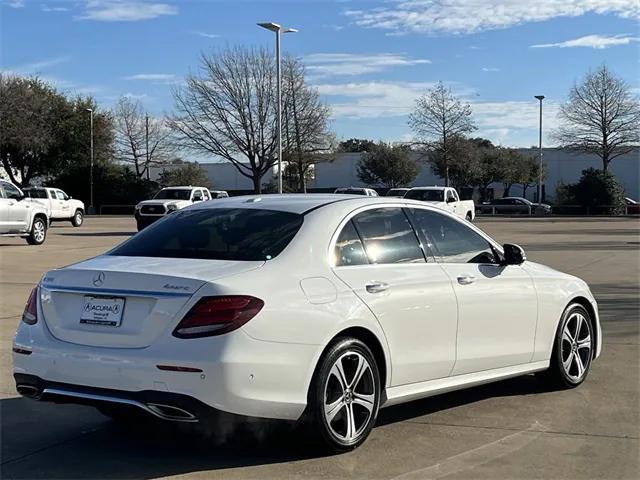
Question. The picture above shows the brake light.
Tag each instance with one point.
(30, 314)
(218, 315)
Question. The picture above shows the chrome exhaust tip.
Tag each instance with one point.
(169, 412)
(28, 391)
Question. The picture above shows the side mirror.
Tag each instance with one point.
(513, 254)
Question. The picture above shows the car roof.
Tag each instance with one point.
(181, 187)
(433, 187)
(298, 202)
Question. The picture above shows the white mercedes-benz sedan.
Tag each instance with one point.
(321, 308)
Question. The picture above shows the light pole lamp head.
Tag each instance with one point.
(540, 97)
(274, 27)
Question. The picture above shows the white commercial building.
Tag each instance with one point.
(562, 166)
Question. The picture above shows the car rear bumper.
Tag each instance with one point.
(233, 373)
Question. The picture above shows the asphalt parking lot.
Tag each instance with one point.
(512, 429)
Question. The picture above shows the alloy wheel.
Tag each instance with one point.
(576, 346)
(349, 396)
(38, 231)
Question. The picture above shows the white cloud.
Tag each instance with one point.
(490, 69)
(36, 67)
(153, 77)
(207, 35)
(334, 27)
(470, 16)
(14, 3)
(48, 8)
(592, 41)
(349, 64)
(125, 10)
(372, 99)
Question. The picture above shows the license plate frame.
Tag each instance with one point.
(100, 310)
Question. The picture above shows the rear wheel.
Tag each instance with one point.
(573, 348)
(38, 232)
(77, 218)
(345, 395)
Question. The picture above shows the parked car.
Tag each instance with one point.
(397, 192)
(446, 198)
(169, 200)
(515, 205)
(218, 194)
(369, 192)
(61, 206)
(401, 300)
(632, 207)
(21, 218)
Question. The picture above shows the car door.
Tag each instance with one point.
(497, 304)
(451, 200)
(4, 211)
(62, 205)
(379, 256)
(18, 210)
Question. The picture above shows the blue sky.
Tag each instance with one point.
(369, 59)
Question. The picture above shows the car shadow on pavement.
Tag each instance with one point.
(42, 440)
(97, 234)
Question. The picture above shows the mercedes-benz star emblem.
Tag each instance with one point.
(98, 280)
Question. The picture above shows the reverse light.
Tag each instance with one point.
(218, 315)
(30, 314)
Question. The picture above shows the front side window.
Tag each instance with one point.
(453, 240)
(61, 195)
(174, 194)
(206, 194)
(349, 250)
(215, 234)
(388, 236)
(197, 195)
(11, 191)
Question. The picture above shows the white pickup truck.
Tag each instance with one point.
(446, 198)
(171, 199)
(20, 217)
(61, 207)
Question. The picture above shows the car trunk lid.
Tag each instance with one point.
(125, 302)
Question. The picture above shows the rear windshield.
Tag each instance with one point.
(351, 191)
(426, 195)
(215, 234)
(173, 194)
(35, 192)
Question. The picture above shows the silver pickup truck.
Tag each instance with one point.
(20, 217)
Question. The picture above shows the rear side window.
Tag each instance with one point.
(215, 234)
(349, 250)
(388, 236)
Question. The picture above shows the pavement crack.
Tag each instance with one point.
(510, 429)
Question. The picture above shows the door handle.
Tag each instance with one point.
(466, 279)
(376, 287)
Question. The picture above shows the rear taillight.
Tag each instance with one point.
(218, 315)
(30, 314)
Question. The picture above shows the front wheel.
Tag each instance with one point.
(77, 218)
(469, 217)
(345, 395)
(573, 348)
(38, 232)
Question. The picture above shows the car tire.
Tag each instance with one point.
(573, 348)
(344, 397)
(469, 217)
(38, 233)
(78, 218)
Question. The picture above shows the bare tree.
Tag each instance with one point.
(229, 110)
(601, 117)
(141, 140)
(306, 135)
(439, 120)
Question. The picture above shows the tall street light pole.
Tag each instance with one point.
(91, 207)
(274, 27)
(540, 97)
